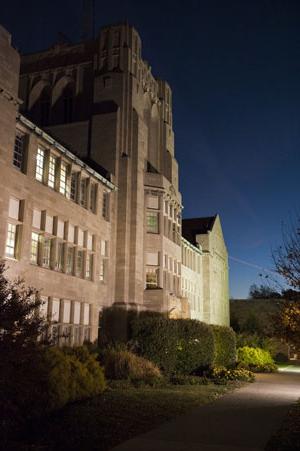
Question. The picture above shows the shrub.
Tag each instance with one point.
(122, 364)
(255, 359)
(181, 379)
(58, 376)
(225, 346)
(195, 346)
(155, 338)
(115, 325)
(221, 375)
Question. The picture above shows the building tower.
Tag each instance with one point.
(100, 98)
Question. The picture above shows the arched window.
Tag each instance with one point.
(67, 98)
(44, 105)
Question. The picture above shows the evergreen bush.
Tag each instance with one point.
(255, 359)
(156, 338)
(195, 346)
(225, 346)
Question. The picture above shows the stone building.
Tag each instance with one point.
(206, 233)
(88, 167)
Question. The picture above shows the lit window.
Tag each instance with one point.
(51, 172)
(86, 334)
(60, 256)
(83, 192)
(70, 260)
(104, 248)
(73, 186)
(86, 314)
(93, 197)
(46, 252)
(152, 278)
(76, 312)
(63, 185)
(19, 151)
(11, 241)
(89, 266)
(14, 208)
(39, 165)
(79, 263)
(105, 206)
(55, 309)
(152, 222)
(34, 247)
(102, 270)
(67, 311)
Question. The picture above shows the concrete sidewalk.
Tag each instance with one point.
(242, 420)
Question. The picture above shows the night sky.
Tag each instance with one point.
(234, 68)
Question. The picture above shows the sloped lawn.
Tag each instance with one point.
(119, 414)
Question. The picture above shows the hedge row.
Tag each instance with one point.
(182, 346)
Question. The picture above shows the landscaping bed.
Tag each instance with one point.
(120, 413)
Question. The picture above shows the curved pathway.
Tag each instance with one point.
(242, 420)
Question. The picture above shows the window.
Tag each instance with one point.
(73, 186)
(104, 248)
(11, 241)
(63, 185)
(44, 307)
(152, 278)
(39, 164)
(67, 311)
(102, 270)
(46, 254)
(152, 222)
(55, 309)
(86, 314)
(86, 334)
(19, 151)
(60, 256)
(70, 260)
(79, 264)
(14, 208)
(93, 197)
(68, 103)
(152, 258)
(76, 312)
(36, 219)
(51, 171)
(34, 247)
(153, 202)
(82, 199)
(105, 206)
(89, 266)
(77, 334)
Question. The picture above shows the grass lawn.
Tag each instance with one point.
(117, 415)
(288, 436)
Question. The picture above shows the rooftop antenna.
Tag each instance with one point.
(88, 19)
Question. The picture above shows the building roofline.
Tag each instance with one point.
(39, 132)
(195, 248)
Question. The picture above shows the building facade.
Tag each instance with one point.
(90, 203)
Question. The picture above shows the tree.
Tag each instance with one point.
(20, 327)
(287, 256)
(287, 264)
(263, 292)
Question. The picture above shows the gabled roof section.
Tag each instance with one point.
(197, 226)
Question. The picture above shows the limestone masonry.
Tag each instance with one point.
(90, 205)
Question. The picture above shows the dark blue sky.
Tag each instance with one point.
(234, 67)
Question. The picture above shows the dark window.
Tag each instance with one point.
(19, 152)
(45, 106)
(68, 104)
